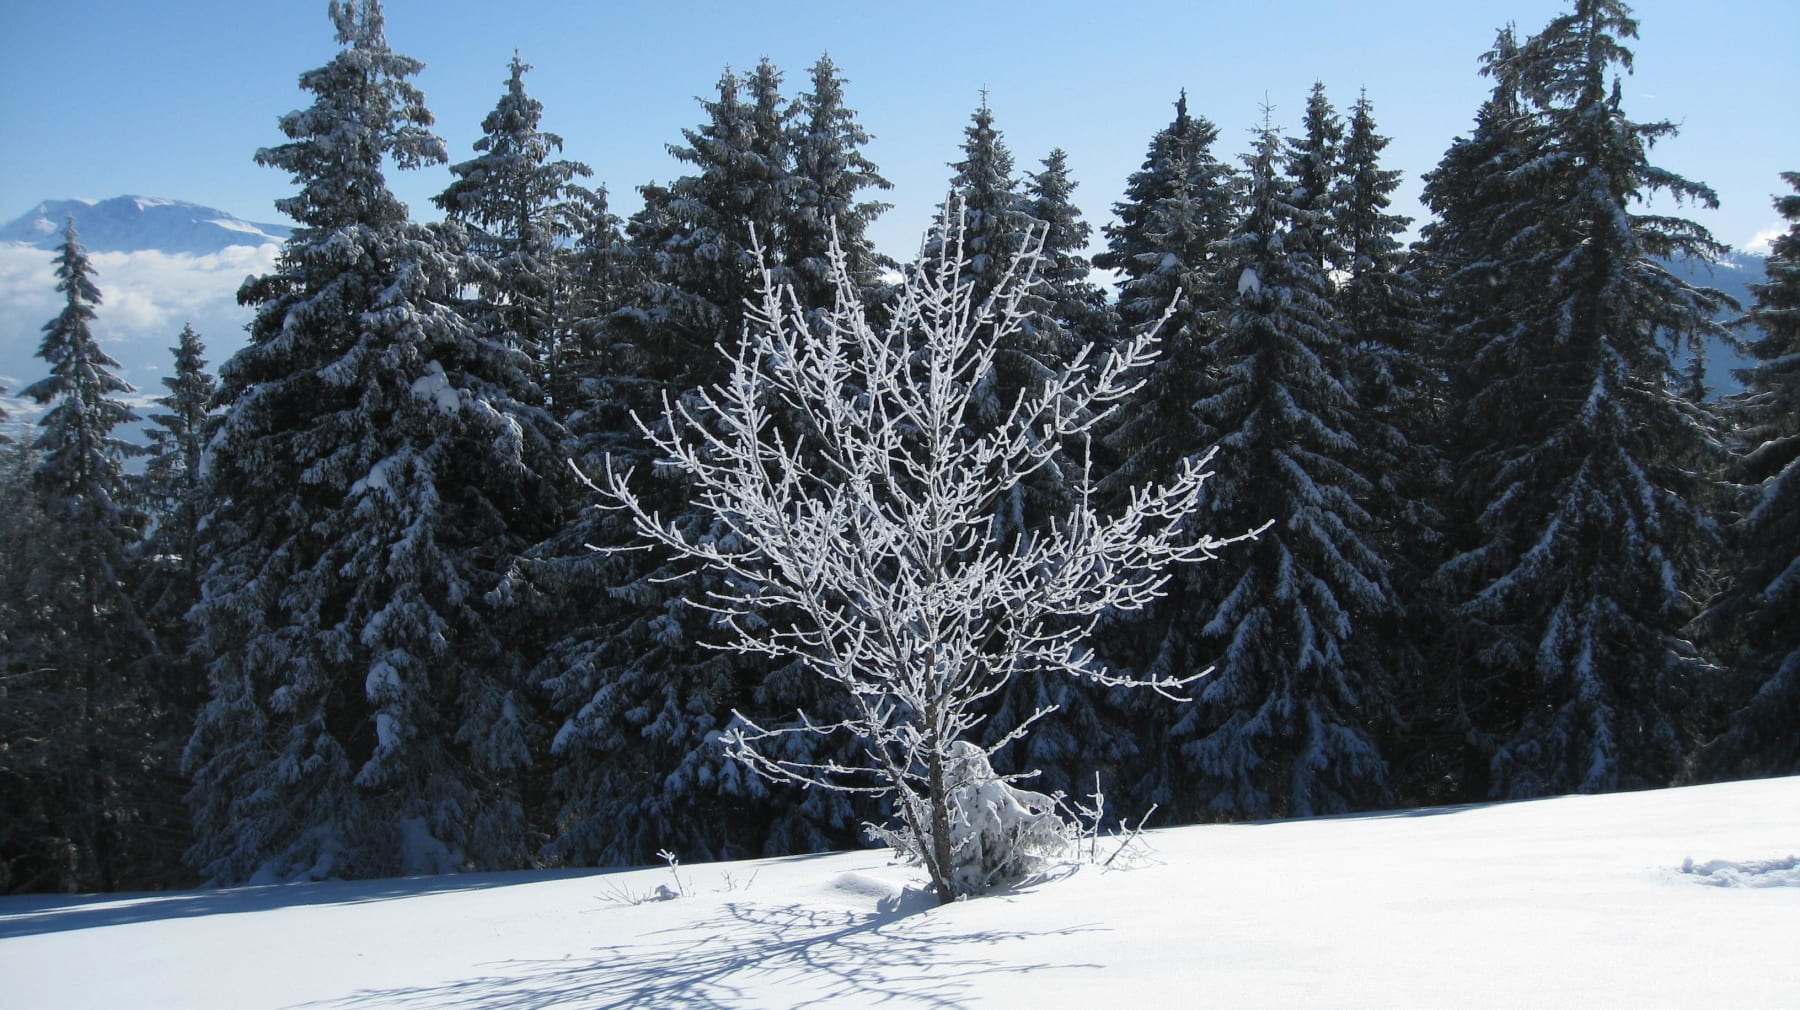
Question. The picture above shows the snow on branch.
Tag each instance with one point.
(843, 460)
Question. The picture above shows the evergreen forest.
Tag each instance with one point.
(353, 610)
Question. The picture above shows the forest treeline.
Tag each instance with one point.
(349, 618)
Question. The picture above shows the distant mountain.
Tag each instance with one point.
(159, 264)
(1733, 275)
(138, 224)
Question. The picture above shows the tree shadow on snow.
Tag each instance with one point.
(34, 914)
(798, 955)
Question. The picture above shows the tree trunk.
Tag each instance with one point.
(941, 868)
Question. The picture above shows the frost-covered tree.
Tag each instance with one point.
(1762, 607)
(521, 206)
(378, 465)
(1576, 458)
(870, 528)
(1286, 724)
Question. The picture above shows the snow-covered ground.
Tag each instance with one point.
(1683, 898)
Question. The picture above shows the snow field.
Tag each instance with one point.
(1570, 902)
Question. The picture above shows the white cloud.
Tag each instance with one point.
(155, 290)
(146, 297)
(1760, 242)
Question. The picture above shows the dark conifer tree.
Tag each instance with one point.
(640, 698)
(1395, 372)
(603, 272)
(1286, 723)
(986, 192)
(81, 473)
(521, 206)
(694, 235)
(1313, 165)
(1463, 263)
(1077, 306)
(831, 174)
(172, 492)
(40, 768)
(1165, 247)
(1574, 453)
(1760, 612)
(89, 780)
(1072, 315)
(378, 465)
(1177, 209)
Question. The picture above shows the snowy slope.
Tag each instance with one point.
(1571, 902)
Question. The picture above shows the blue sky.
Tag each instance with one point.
(104, 97)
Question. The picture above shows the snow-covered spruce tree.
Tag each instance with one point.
(640, 701)
(377, 466)
(1312, 165)
(521, 206)
(996, 227)
(1577, 458)
(831, 172)
(603, 271)
(695, 234)
(81, 472)
(173, 495)
(1464, 264)
(871, 528)
(1077, 306)
(1071, 314)
(1165, 246)
(1381, 305)
(1761, 609)
(1287, 724)
(90, 775)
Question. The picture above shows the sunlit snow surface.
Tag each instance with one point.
(1678, 898)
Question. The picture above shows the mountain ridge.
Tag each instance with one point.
(140, 224)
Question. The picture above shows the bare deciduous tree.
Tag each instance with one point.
(840, 457)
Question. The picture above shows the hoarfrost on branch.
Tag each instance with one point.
(843, 461)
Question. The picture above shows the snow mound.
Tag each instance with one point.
(861, 885)
(1783, 872)
(870, 893)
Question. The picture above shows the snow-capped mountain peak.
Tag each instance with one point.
(138, 223)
